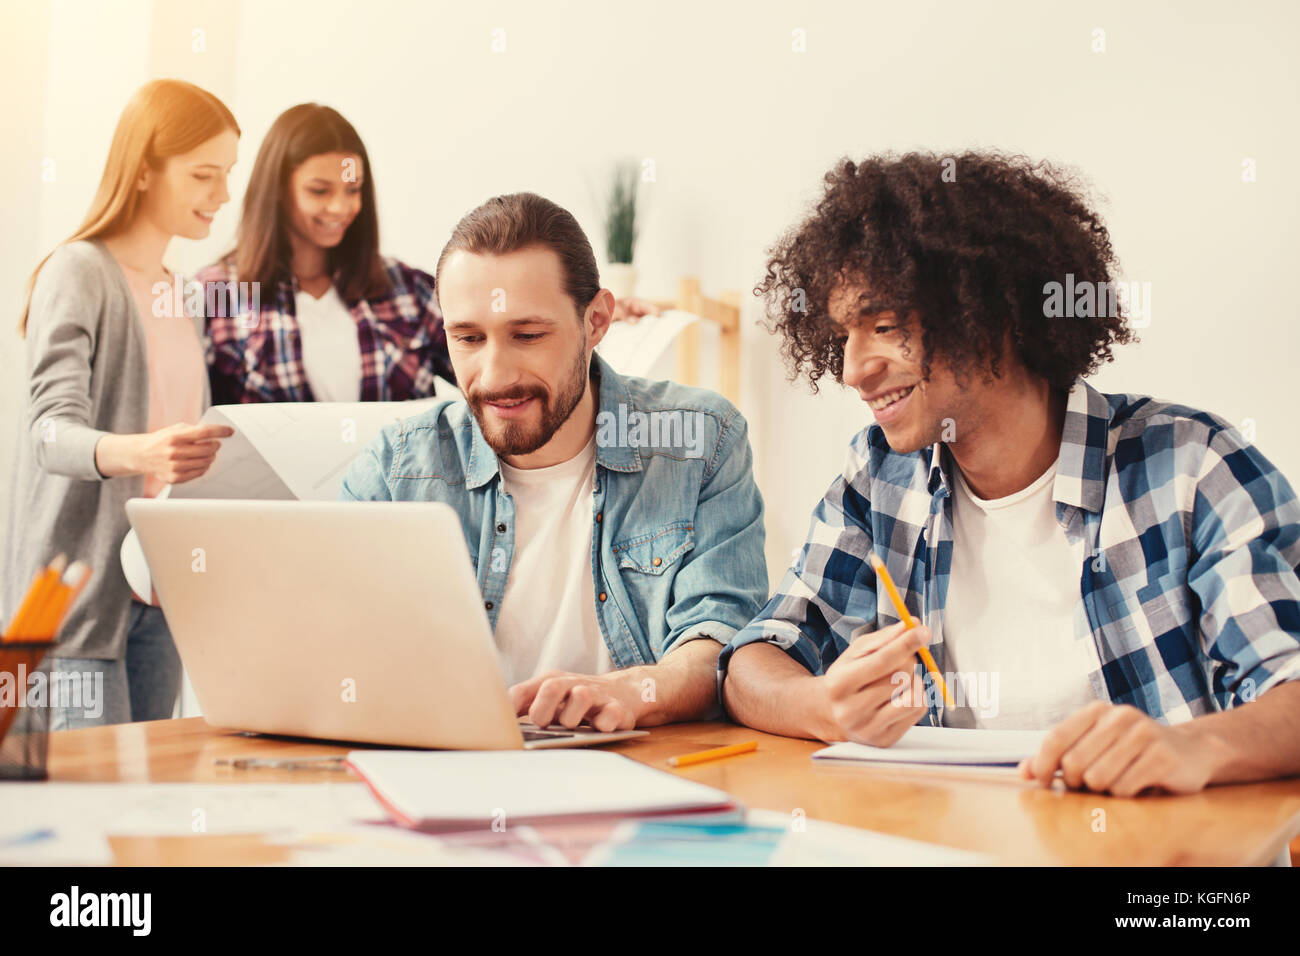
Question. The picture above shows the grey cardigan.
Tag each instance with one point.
(87, 375)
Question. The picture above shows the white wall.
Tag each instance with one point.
(741, 129)
(58, 127)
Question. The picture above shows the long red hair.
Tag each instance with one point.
(164, 118)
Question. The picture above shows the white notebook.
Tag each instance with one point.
(451, 789)
(947, 746)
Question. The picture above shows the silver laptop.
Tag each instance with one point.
(353, 621)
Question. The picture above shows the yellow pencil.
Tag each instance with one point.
(24, 606)
(685, 760)
(30, 611)
(56, 608)
(43, 624)
(909, 622)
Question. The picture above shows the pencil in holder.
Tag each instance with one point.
(25, 706)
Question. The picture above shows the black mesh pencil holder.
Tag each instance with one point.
(26, 699)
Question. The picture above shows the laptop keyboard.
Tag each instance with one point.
(534, 733)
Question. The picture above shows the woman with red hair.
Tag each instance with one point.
(116, 382)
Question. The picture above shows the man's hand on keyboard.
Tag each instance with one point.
(608, 702)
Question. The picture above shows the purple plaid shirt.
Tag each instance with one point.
(257, 357)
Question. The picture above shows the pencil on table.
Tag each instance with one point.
(685, 760)
(909, 622)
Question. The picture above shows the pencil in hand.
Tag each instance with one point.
(909, 622)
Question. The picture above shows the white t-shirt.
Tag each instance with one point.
(1010, 615)
(331, 352)
(547, 619)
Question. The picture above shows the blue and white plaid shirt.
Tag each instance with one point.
(1189, 581)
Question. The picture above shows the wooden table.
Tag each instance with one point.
(990, 812)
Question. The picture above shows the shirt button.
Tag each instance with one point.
(658, 561)
(599, 515)
(501, 528)
(603, 595)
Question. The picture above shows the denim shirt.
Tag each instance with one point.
(677, 521)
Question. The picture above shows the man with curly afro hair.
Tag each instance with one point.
(1115, 571)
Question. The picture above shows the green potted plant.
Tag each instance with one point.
(621, 230)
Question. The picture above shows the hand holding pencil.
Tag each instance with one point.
(872, 693)
(904, 615)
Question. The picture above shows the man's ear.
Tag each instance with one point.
(599, 315)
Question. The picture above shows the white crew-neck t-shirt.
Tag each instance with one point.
(547, 619)
(331, 352)
(1010, 614)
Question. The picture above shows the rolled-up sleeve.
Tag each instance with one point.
(724, 580)
(825, 594)
(1247, 543)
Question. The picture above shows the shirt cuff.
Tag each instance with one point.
(69, 450)
(764, 631)
(714, 631)
(1288, 672)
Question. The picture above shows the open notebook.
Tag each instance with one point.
(945, 746)
(459, 789)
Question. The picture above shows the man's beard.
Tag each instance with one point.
(509, 438)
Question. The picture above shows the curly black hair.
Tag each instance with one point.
(971, 256)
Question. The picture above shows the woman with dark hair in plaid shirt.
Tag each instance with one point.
(304, 308)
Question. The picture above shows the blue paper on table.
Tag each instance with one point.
(696, 844)
(767, 838)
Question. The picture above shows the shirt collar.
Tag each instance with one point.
(613, 394)
(1081, 467)
(1085, 443)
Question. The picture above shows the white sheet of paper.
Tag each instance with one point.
(340, 823)
(83, 815)
(460, 788)
(946, 746)
(292, 449)
(238, 471)
(633, 348)
(280, 451)
(833, 844)
(387, 844)
(50, 846)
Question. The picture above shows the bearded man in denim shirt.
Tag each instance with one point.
(613, 522)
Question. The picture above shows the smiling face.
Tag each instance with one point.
(887, 375)
(325, 197)
(182, 197)
(521, 351)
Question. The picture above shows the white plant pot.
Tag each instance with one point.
(620, 279)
